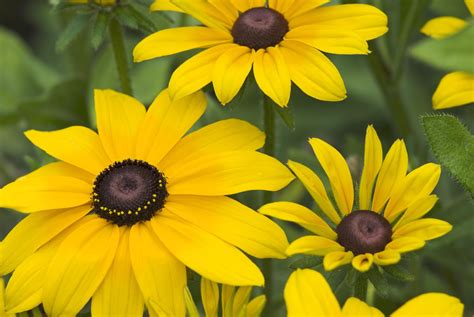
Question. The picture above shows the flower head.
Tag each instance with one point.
(457, 88)
(308, 294)
(387, 220)
(282, 41)
(123, 212)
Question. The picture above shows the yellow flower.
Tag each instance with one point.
(3, 313)
(124, 211)
(457, 88)
(307, 294)
(235, 301)
(282, 42)
(387, 220)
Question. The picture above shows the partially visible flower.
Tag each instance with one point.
(3, 312)
(235, 301)
(282, 41)
(123, 212)
(386, 222)
(308, 294)
(457, 88)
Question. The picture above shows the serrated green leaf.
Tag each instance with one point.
(305, 262)
(72, 30)
(144, 22)
(99, 28)
(399, 272)
(453, 146)
(126, 18)
(379, 281)
(452, 54)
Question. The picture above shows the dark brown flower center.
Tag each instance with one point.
(259, 28)
(364, 231)
(128, 192)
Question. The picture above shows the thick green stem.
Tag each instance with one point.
(269, 149)
(120, 53)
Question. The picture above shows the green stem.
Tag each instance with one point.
(269, 149)
(120, 53)
(370, 298)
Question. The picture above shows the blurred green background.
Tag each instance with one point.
(45, 89)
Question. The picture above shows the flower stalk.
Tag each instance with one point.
(120, 53)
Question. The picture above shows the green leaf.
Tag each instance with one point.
(72, 30)
(287, 115)
(399, 272)
(452, 54)
(126, 17)
(360, 286)
(144, 22)
(305, 262)
(99, 28)
(453, 146)
(379, 281)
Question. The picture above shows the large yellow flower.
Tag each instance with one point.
(282, 41)
(387, 219)
(457, 88)
(124, 211)
(308, 294)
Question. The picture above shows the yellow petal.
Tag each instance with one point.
(230, 71)
(227, 173)
(363, 262)
(77, 146)
(196, 72)
(354, 307)
(307, 294)
(210, 297)
(118, 119)
(281, 5)
(191, 307)
(165, 124)
(455, 89)
(424, 229)
(372, 162)
(205, 12)
(244, 5)
(205, 253)
(387, 257)
(335, 259)
(272, 75)
(79, 266)
(442, 27)
(119, 294)
(301, 215)
(256, 306)
(34, 231)
(366, 21)
(470, 6)
(315, 187)
(431, 304)
(338, 173)
(221, 136)
(301, 6)
(233, 222)
(417, 210)
(226, 8)
(228, 292)
(329, 40)
(405, 244)
(164, 5)
(313, 72)
(241, 298)
(417, 184)
(313, 245)
(393, 170)
(161, 277)
(176, 40)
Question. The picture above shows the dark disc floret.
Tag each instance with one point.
(364, 231)
(259, 28)
(128, 192)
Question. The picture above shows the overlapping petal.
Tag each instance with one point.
(423, 229)
(363, 262)
(335, 259)
(354, 307)
(455, 89)
(372, 162)
(314, 245)
(442, 27)
(206, 13)
(431, 304)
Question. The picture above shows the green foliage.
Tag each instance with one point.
(379, 280)
(99, 29)
(72, 30)
(453, 146)
(451, 54)
(306, 261)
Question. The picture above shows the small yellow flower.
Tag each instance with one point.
(281, 40)
(388, 218)
(125, 210)
(235, 301)
(457, 88)
(308, 294)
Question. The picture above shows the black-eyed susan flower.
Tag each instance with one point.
(387, 219)
(235, 301)
(308, 294)
(282, 41)
(457, 88)
(123, 212)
